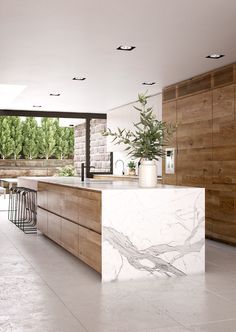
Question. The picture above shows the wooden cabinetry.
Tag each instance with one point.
(72, 218)
(90, 248)
(194, 137)
(205, 141)
(54, 227)
(42, 220)
(70, 236)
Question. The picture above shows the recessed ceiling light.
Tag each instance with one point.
(37, 106)
(149, 83)
(125, 48)
(78, 78)
(215, 56)
(55, 94)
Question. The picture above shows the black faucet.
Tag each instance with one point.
(83, 167)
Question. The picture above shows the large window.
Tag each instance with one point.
(56, 135)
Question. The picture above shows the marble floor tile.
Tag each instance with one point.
(44, 288)
(221, 326)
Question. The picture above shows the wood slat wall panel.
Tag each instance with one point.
(194, 85)
(194, 173)
(223, 76)
(194, 138)
(195, 108)
(206, 144)
(224, 172)
(169, 93)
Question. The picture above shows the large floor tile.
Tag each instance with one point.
(44, 288)
(195, 307)
(222, 326)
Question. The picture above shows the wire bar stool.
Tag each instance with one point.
(22, 209)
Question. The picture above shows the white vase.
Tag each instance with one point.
(147, 174)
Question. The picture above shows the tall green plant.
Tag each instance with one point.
(64, 142)
(47, 137)
(30, 138)
(7, 144)
(62, 146)
(16, 135)
(148, 138)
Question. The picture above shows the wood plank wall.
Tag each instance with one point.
(205, 140)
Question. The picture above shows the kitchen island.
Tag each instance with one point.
(124, 231)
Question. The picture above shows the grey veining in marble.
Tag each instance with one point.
(153, 234)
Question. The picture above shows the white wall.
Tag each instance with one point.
(124, 117)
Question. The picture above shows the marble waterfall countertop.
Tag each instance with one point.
(92, 184)
(147, 233)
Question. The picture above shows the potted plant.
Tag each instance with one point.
(146, 142)
(132, 167)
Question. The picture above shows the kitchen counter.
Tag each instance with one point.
(123, 231)
(90, 184)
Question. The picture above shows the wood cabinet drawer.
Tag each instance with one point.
(55, 198)
(90, 213)
(70, 204)
(90, 248)
(42, 195)
(42, 220)
(70, 236)
(54, 227)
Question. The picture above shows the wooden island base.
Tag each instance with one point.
(72, 218)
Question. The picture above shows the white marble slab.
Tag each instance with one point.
(152, 233)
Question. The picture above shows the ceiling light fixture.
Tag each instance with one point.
(78, 78)
(215, 56)
(149, 83)
(125, 48)
(55, 94)
(37, 106)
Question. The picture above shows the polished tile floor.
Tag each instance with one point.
(43, 288)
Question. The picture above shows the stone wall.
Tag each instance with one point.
(98, 146)
(38, 167)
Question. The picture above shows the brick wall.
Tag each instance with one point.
(79, 154)
(98, 146)
(38, 167)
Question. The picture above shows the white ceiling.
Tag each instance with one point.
(45, 43)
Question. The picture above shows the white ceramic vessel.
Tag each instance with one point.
(148, 174)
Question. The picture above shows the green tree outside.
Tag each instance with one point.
(7, 144)
(25, 139)
(16, 135)
(30, 138)
(47, 137)
(62, 144)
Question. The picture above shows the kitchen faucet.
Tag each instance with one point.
(123, 164)
(83, 167)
